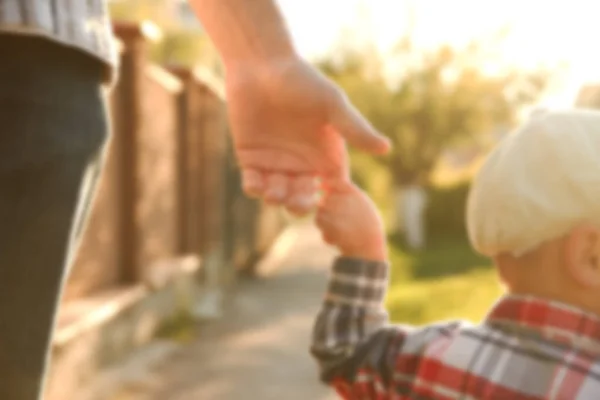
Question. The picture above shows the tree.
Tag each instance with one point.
(443, 98)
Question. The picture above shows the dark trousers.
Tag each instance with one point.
(52, 131)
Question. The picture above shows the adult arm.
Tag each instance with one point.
(245, 31)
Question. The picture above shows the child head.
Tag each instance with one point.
(535, 208)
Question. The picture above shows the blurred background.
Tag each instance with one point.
(445, 81)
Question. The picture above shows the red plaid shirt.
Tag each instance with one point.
(526, 348)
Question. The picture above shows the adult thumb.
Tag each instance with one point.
(355, 128)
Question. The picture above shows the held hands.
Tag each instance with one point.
(349, 220)
(289, 126)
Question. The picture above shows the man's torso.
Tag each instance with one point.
(82, 24)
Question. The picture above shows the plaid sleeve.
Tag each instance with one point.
(352, 341)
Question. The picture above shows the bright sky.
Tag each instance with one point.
(541, 31)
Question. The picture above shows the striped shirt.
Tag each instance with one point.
(82, 24)
(526, 349)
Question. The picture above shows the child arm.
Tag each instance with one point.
(351, 340)
(358, 352)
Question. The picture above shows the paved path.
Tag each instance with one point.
(259, 352)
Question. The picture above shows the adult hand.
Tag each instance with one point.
(289, 125)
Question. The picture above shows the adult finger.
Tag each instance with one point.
(349, 123)
(303, 195)
(276, 188)
(253, 182)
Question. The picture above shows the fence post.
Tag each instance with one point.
(191, 173)
(185, 183)
(128, 115)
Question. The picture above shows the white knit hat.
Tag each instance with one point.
(540, 182)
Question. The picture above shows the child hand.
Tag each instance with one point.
(349, 220)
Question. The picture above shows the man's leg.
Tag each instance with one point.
(52, 129)
(37, 211)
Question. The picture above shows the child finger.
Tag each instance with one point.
(325, 222)
(327, 239)
(321, 219)
(326, 228)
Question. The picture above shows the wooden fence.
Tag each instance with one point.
(170, 186)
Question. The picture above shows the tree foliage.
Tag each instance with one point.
(442, 98)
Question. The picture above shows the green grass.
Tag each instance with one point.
(446, 281)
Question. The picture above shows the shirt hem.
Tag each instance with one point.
(110, 61)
